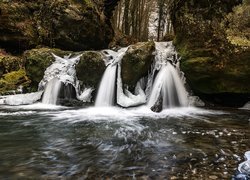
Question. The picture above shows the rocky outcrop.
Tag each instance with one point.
(137, 62)
(64, 24)
(215, 48)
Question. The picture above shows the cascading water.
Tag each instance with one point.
(164, 84)
(167, 86)
(106, 91)
(112, 78)
(51, 91)
(62, 73)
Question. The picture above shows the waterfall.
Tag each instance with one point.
(106, 92)
(168, 86)
(51, 91)
(62, 74)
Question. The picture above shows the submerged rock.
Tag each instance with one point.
(137, 62)
(64, 24)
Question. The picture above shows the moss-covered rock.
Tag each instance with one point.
(137, 62)
(36, 62)
(65, 24)
(12, 80)
(214, 45)
(206, 76)
(12, 73)
(90, 68)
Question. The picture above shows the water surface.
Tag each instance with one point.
(49, 142)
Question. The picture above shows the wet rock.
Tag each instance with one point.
(158, 105)
(137, 62)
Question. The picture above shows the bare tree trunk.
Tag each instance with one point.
(126, 17)
(160, 14)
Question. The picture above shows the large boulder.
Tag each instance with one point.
(64, 24)
(137, 62)
(213, 39)
(90, 68)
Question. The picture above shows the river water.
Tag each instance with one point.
(52, 142)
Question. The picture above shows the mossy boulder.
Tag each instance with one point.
(137, 62)
(36, 62)
(12, 80)
(65, 24)
(90, 68)
(214, 45)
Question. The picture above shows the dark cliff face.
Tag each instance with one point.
(65, 24)
(212, 36)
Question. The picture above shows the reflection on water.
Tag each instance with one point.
(184, 143)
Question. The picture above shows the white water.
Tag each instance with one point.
(51, 91)
(20, 99)
(244, 167)
(62, 71)
(106, 91)
(168, 83)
